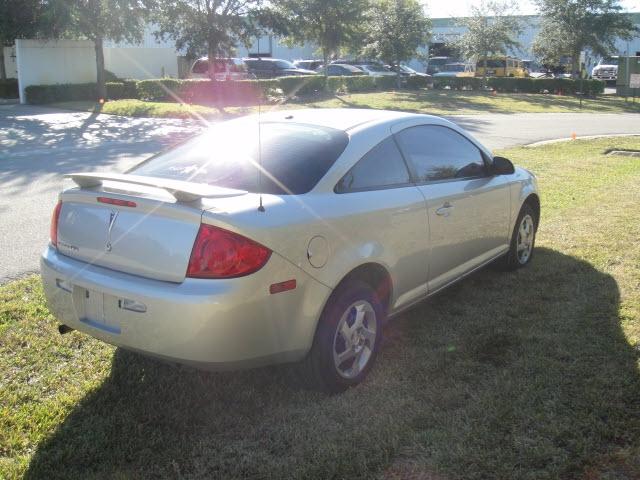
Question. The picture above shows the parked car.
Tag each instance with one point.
(273, 68)
(435, 64)
(193, 257)
(223, 69)
(308, 64)
(408, 71)
(606, 69)
(340, 70)
(375, 70)
(455, 70)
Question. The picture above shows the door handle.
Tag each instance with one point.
(444, 210)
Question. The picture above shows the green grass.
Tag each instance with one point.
(444, 102)
(437, 102)
(525, 375)
(138, 108)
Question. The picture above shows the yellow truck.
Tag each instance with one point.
(501, 67)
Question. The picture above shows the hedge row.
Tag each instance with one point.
(245, 92)
(563, 86)
(9, 88)
(249, 92)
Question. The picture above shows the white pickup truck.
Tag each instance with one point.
(607, 69)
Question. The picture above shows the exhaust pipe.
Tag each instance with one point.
(64, 329)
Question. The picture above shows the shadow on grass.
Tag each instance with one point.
(519, 375)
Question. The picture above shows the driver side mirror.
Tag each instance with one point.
(502, 166)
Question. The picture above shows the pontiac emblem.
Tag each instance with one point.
(112, 221)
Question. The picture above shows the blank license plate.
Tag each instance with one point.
(95, 305)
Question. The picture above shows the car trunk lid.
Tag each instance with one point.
(139, 225)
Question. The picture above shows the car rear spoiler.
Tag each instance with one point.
(181, 190)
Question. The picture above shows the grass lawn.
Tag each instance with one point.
(525, 375)
(138, 108)
(437, 102)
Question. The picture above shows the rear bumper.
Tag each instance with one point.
(214, 324)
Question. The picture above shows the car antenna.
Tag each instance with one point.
(260, 207)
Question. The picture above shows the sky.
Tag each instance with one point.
(460, 8)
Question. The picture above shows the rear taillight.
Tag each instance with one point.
(219, 253)
(53, 233)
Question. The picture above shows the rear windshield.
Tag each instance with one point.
(294, 157)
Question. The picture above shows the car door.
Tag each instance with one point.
(467, 207)
(387, 213)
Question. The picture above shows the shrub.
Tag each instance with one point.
(130, 88)
(564, 86)
(302, 85)
(116, 90)
(458, 83)
(236, 93)
(38, 94)
(336, 85)
(386, 83)
(9, 88)
(157, 90)
(360, 83)
(416, 82)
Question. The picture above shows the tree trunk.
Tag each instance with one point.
(101, 88)
(398, 76)
(3, 72)
(212, 47)
(325, 60)
(484, 71)
(575, 65)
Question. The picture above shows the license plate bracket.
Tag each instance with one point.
(93, 306)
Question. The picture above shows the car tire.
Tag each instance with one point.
(522, 240)
(347, 339)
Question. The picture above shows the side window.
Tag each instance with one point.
(381, 167)
(440, 153)
(333, 70)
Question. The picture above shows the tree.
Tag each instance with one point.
(570, 26)
(208, 26)
(98, 20)
(395, 29)
(18, 19)
(491, 29)
(329, 24)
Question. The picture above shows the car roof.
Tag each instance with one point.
(339, 118)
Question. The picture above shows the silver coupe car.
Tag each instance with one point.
(289, 237)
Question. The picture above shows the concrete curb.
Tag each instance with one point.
(586, 137)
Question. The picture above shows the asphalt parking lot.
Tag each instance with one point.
(39, 145)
